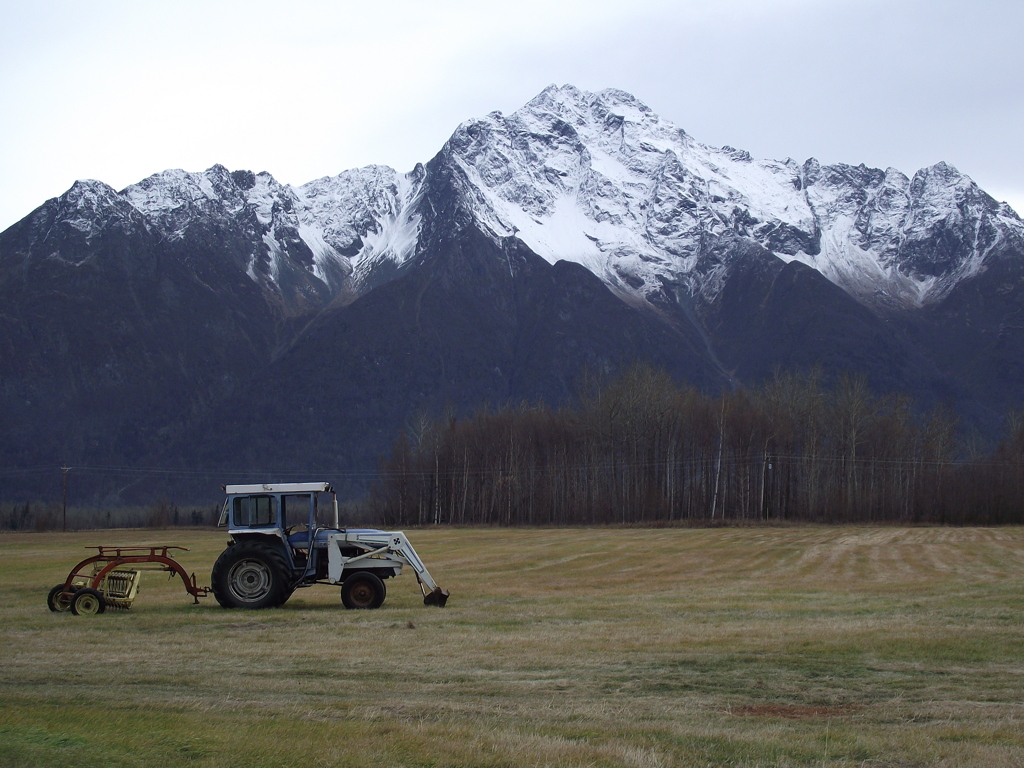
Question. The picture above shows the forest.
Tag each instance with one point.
(642, 449)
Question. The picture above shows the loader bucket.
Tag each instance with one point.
(438, 597)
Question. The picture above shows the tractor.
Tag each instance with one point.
(277, 546)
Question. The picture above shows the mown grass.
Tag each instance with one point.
(584, 647)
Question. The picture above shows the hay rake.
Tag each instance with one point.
(110, 579)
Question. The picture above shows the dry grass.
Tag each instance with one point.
(584, 647)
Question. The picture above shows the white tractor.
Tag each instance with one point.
(277, 546)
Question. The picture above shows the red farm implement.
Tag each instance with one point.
(110, 579)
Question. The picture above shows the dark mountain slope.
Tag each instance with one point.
(474, 325)
(786, 317)
(977, 335)
(114, 339)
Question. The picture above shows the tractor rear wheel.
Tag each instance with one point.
(87, 602)
(251, 574)
(56, 601)
(363, 590)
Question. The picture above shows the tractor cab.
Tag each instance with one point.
(286, 511)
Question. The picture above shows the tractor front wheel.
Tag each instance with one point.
(87, 602)
(363, 590)
(251, 574)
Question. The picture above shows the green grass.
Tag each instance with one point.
(587, 647)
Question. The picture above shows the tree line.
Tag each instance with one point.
(642, 449)
(50, 516)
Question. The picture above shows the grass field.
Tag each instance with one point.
(587, 647)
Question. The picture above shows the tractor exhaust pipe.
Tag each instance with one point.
(334, 505)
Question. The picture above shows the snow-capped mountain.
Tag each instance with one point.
(332, 231)
(193, 314)
(603, 181)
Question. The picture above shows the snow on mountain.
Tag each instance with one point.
(600, 179)
(335, 228)
(91, 207)
(364, 217)
(902, 241)
(594, 178)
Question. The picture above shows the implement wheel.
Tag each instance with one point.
(251, 574)
(87, 602)
(56, 601)
(363, 590)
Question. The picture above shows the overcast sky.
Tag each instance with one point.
(117, 91)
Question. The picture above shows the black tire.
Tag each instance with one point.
(56, 601)
(251, 574)
(87, 602)
(363, 590)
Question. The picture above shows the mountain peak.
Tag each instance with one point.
(571, 97)
(605, 111)
(89, 194)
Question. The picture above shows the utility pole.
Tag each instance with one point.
(65, 471)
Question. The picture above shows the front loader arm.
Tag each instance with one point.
(389, 544)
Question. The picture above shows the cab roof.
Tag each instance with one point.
(232, 490)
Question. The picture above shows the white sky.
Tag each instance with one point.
(117, 91)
